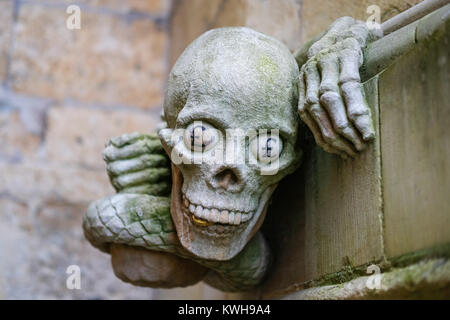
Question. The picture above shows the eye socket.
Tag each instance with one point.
(266, 148)
(200, 136)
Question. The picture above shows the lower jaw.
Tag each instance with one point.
(209, 240)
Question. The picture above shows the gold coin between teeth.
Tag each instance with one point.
(200, 222)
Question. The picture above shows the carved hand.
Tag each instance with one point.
(137, 163)
(331, 100)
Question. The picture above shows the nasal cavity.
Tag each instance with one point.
(226, 178)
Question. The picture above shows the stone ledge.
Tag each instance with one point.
(424, 280)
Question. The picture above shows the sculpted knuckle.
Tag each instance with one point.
(330, 96)
(312, 100)
(351, 44)
(314, 49)
(350, 77)
(357, 113)
(107, 153)
(343, 128)
(311, 68)
(109, 168)
(350, 86)
(315, 109)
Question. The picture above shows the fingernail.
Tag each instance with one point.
(369, 136)
(364, 124)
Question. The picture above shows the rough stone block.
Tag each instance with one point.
(110, 60)
(39, 243)
(191, 18)
(78, 135)
(277, 18)
(415, 116)
(59, 184)
(17, 142)
(145, 6)
(152, 7)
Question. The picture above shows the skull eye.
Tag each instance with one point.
(200, 136)
(266, 148)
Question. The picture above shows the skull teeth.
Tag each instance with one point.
(215, 215)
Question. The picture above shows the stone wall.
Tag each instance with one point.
(63, 94)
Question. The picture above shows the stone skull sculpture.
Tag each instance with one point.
(228, 81)
(230, 134)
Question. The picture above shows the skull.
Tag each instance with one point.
(229, 80)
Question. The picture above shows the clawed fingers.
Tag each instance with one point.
(158, 189)
(332, 103)
(357, 109)
(146, 176)
(316, 117)
(136, 149)
(129, 138)
(137, 163)
(120, 167)
(309, 121)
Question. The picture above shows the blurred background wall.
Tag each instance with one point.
(64, 92)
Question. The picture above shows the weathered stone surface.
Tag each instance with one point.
(155, 269)
(424, 280)
(327, 216)
(40, 242)
(191, 18)
(159, 7)
(109, 61)
(6, 15)
(317, 15)
(17, 142)
(46, 179)
(230, 13)
(415, 113)
(82, 142)
(277, 18)
(60, 184)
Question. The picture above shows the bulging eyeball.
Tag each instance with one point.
(200, 136)
(266, 148)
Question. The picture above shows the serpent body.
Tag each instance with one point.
(144, 220)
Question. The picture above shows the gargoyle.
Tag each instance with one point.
(183, 212)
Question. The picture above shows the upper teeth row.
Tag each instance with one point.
(215, 215)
